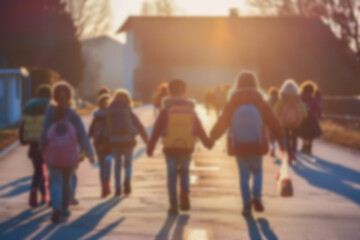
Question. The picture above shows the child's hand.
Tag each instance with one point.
(92, 159)
(149, 153)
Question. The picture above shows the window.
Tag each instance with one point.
(2, 93)
(18, 88)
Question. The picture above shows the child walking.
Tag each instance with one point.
(63, 132)
(123, 126)
(30, 132)
(310, 128)
(273, 99)
(179, 127)
(98, 132)
(247, 115)
(291, 111)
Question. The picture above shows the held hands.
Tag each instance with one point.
(92, 159)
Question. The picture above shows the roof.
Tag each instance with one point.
(14, 71)
(133, 21)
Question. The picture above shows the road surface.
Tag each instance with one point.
(326, 204)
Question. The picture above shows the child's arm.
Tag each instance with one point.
(84, 140)
(140, 128)
(156, 133)
(47, 122)
(271, 120)
(201, 134)
(222, 124)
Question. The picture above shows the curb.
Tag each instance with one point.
(8, 149)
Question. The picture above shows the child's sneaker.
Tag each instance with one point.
(66, 213)
(246, 212)
(184, 201)
(258, 206)
(33, 198)
(74, 202)
(127, 186)
(118, 192)
(55, 218)
(173, 210)
(106, 188)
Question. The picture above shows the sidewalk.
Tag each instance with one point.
(326, 204)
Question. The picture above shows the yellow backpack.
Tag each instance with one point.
(180, 128)
(32, 128)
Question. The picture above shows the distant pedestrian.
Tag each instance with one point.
(292, 112)
(30, 131)
(179, 127)
(158, 97)
(209, 100)
(247, 115)
(273, 93)
(310, 128)
(62, 137)
(98, 132)
(122, 127)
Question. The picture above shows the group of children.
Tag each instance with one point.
(299, 111)
(246, 116)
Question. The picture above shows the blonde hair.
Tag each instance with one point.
(103, 97)
(289, 88)
(123, 95)
(309, 87)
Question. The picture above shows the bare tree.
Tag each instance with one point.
(91, 17)
(160, 8)
(343, 16)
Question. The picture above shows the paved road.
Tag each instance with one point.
(325, 205)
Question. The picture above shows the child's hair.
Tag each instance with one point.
(103, 90)
(308, 87)
(247, 80)
(43, 91)
(177, 87)
(103, 97)
(62, 87)
(123, 95)
(273, 92)
(289, 88)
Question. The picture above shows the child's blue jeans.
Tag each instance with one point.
(177, 166)
(248, 165)
(105, 167)
(61, 187)
(120, 156)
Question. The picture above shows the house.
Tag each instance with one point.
(15, 91)
(211, 51)
(103, 61)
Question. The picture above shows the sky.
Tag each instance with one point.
(124, 8)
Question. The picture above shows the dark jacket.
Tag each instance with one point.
(249, 97)
(98, 132)
(136, 123)
(159, 129)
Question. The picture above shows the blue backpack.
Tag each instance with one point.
(247, 125)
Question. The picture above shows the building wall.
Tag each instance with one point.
(14, 99)
(132, 58)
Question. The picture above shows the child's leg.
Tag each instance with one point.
(117, 157)
(69, 181)
(128, 163)
(288, 141)
(101, 160)
(171, 180)
(256, 167)
(245, 171)
(56, 190)
(73, 184)
(184, 173)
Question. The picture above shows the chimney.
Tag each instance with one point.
(234, 12)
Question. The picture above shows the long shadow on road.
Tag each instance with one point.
(329, 176)
(18, 187)
(255, 230)
(84, 224)
(178, 233)
(24, 224)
